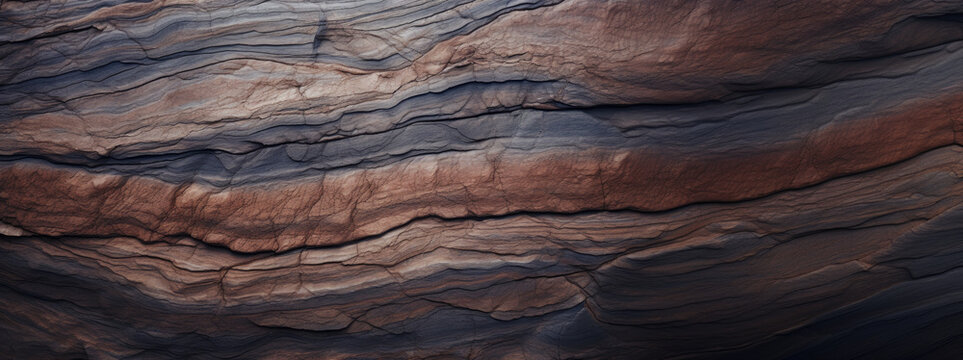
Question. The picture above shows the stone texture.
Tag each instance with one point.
(481, 179)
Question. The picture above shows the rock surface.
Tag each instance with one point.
(481, 179)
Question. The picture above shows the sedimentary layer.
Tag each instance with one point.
(481, 179)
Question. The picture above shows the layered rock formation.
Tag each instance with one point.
(481, 179)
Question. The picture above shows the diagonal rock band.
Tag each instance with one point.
(481, 179)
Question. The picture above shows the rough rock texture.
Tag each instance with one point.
(481, 179)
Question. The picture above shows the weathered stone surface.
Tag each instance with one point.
(481, 179)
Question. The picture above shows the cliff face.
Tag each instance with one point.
(481, 179)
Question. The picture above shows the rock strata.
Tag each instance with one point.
(481, 179)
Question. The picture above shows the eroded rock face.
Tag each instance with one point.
(481, 179)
